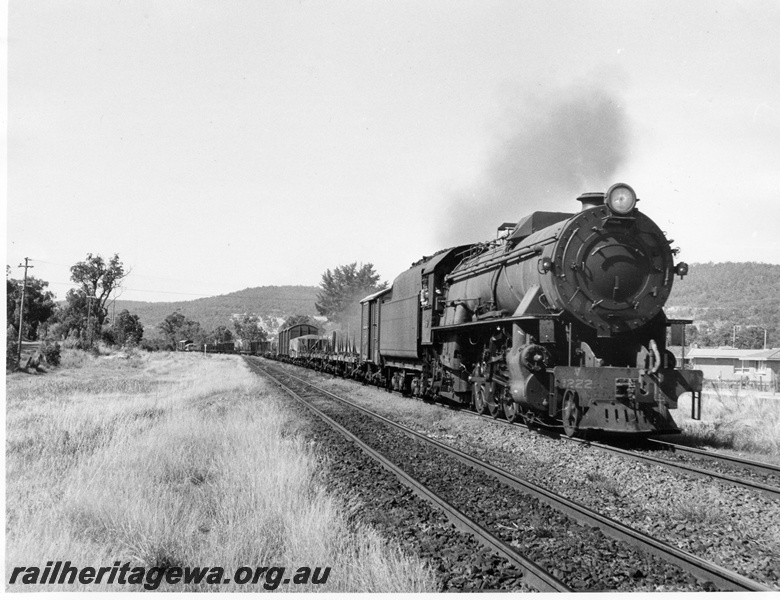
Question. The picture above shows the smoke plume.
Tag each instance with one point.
(555, 147)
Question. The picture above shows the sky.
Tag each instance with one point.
(218, 146)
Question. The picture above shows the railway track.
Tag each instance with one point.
(757, 476)
(724, 470)
(535, 575)
(760, 477)
(501, 483)
(725, 459)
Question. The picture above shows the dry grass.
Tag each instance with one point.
(702, 503)
(740, 420)
(605, 481)
(177, 460)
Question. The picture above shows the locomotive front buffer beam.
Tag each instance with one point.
(619, 399)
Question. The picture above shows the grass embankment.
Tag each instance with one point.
(176, 460)
(740, 420)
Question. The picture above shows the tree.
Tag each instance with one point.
(10, 347)
(715, 334)
(97, 279)
(10, 294)
(295, 320)
(71, 316)
(343, 287)
(248, 328)
(128, 329)
(39, 305)
(221, 334)
(176, 327)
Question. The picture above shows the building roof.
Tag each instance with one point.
(735, 353)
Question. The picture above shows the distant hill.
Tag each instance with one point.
(719, 296)
(271, 303)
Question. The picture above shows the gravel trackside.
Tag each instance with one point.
(378, 499)
(733, 527)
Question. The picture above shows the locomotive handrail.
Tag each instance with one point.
(470, 324)
(515, 256)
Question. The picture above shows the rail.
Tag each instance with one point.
(721, 576)
(734, 461)
(536, 576)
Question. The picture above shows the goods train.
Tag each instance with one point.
(239, 346)
(334, 352)
(559, 321)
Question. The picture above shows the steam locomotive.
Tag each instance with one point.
(558, 321)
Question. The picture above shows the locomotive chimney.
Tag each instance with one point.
(591, 200)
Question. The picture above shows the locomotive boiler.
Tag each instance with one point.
(559, 321)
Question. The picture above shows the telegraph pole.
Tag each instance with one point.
(21, 310)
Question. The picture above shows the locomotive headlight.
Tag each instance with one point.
(621, 199)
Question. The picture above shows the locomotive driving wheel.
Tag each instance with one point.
(493, 403)
(572, 413)
(512, 411)
(479, 400)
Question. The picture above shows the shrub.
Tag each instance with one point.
(73, 358)
(73, 341)
(52, 353)
(10, 353)
(154, 344)
(108, 338)
(11, 347)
